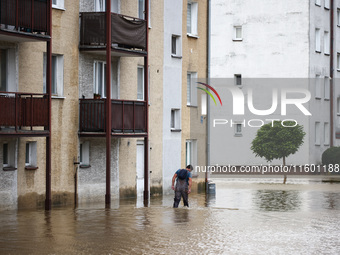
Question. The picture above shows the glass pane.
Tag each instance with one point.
(189, 19)
(140, 83)
(5, 154)
(173, 45)
(3, 71)
(99, 78)
(54, 75)
(81, 153)
(188, 88)
(141, 9)
(104, 81)
(172, 118)
(238, 33)
(27, 161)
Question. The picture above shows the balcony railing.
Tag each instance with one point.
(31, 16)
(126, 116)
(19, 110)
(126, 32)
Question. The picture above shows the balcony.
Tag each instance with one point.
(128, 34)
(24, 114)
(128, 118)
(24, 20)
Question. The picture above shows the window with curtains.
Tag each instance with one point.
(57, 78)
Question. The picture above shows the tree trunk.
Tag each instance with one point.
(285, 176)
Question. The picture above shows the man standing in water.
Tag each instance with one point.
(183, 185)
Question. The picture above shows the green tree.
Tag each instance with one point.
(274, 141)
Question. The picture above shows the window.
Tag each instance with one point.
(31, 154)
(99, 84)
(338, 17)
(326, 133)
(338, 61)
(9, 155)
(175, 45)
(317, 40)
(317, 133)
(59, 4)
(326, 88)
(326, 42)
(191, 152)
(317, 87)
(192, 19)
(238, 129)
(100, 6)
(338, 105)
(175, 120)
(8, 70)
(237, 33)
(84, 154)
(327, 4)
(191, 89)
(140, 83)
(5, 154)
(141, 10)
(57, 86)
(238, 79)
(318, 2)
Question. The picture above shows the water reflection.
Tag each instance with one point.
(277, 200)
(272, 219)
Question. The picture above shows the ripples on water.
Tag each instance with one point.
(244, 217)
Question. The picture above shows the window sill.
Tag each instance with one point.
(317, 51)
(176, 56)
(58, 8)
(338, 70)
(317, 98)
(319, 5)
(317, 144)
(193, 106)
(237, 40)
(192, 36)
(327, 99)
(31, 168)
(176, 130)
(327, 54)
(84, 166)
(9, 168)
(326, 144)
(327, 8)
(238, 135)
(58, 97)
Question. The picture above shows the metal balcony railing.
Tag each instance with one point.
(31, 16)
(19, 110)
(127, 32)
(126, 117)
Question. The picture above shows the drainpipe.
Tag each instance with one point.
(331, 71)
(208, 99)
(48, 196)
(146, 98)
(108, 105)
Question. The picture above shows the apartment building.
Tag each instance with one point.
(65, 136)
(292, 45)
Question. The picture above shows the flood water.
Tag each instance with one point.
(246, 216)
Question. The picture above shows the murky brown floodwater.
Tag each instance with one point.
(245, 217)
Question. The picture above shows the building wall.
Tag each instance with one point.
(275, 44)
(172, 92)
(194, 60)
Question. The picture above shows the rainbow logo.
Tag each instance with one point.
(208, 92)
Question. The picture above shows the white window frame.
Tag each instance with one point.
(175, 119)
(236, 37)
(338, 61)
(191, 89)
(238, 129)
(11, 154)
(191, 152)
(58, 4)
(338, 105)
(318, 89)
(238, 79)
(326, 88)
(57, 86)
(326, 133)
(327, 4)
(84, 153)
(192, 19)
(31, 154)
(176, 50)
(317, 133)
(326, 42)
(97, 89)
(317, 40)
(338, 17)
(318, 2)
